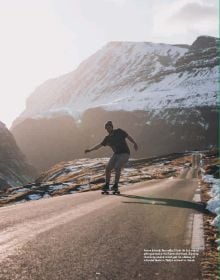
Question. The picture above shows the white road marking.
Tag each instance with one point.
(198, 230)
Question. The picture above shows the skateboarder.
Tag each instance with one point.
(116, 139)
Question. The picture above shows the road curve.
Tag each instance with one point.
(90, 236)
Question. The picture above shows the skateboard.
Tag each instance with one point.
(112, 191)
(116, 192)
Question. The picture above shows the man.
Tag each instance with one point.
(116, 139)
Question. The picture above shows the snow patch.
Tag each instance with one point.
(34, 196)
(213, 205)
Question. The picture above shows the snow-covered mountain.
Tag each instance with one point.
(132, 76)
(14, 170)
(173, 84)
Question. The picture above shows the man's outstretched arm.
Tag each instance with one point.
(132, 141)
(96, 147)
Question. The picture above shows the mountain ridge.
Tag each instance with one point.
(163, 87)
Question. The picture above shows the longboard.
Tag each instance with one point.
(112, 192)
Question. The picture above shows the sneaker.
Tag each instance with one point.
(115, 187)
(105, 187)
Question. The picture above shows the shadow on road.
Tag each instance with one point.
(198, 206)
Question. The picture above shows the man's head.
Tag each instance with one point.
(109, 126)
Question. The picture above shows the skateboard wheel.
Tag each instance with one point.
(104, 192)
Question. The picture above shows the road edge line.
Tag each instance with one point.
(197, 239)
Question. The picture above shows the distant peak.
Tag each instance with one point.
(130, 43)
(184, 46)
(2, 125)
(204, 42)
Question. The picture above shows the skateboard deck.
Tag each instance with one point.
(110, 192)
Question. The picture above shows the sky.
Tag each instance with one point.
(45, 39)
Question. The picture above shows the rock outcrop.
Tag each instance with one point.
(14, 170)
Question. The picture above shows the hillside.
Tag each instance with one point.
(164, 95)
(14, 170)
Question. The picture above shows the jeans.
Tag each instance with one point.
(117, 162)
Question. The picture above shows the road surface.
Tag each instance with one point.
(93, 236)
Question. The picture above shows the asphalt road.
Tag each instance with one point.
(93, 236)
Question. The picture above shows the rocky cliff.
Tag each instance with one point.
(14, 170)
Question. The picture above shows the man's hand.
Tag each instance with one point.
(135, 146)
(96, 147)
